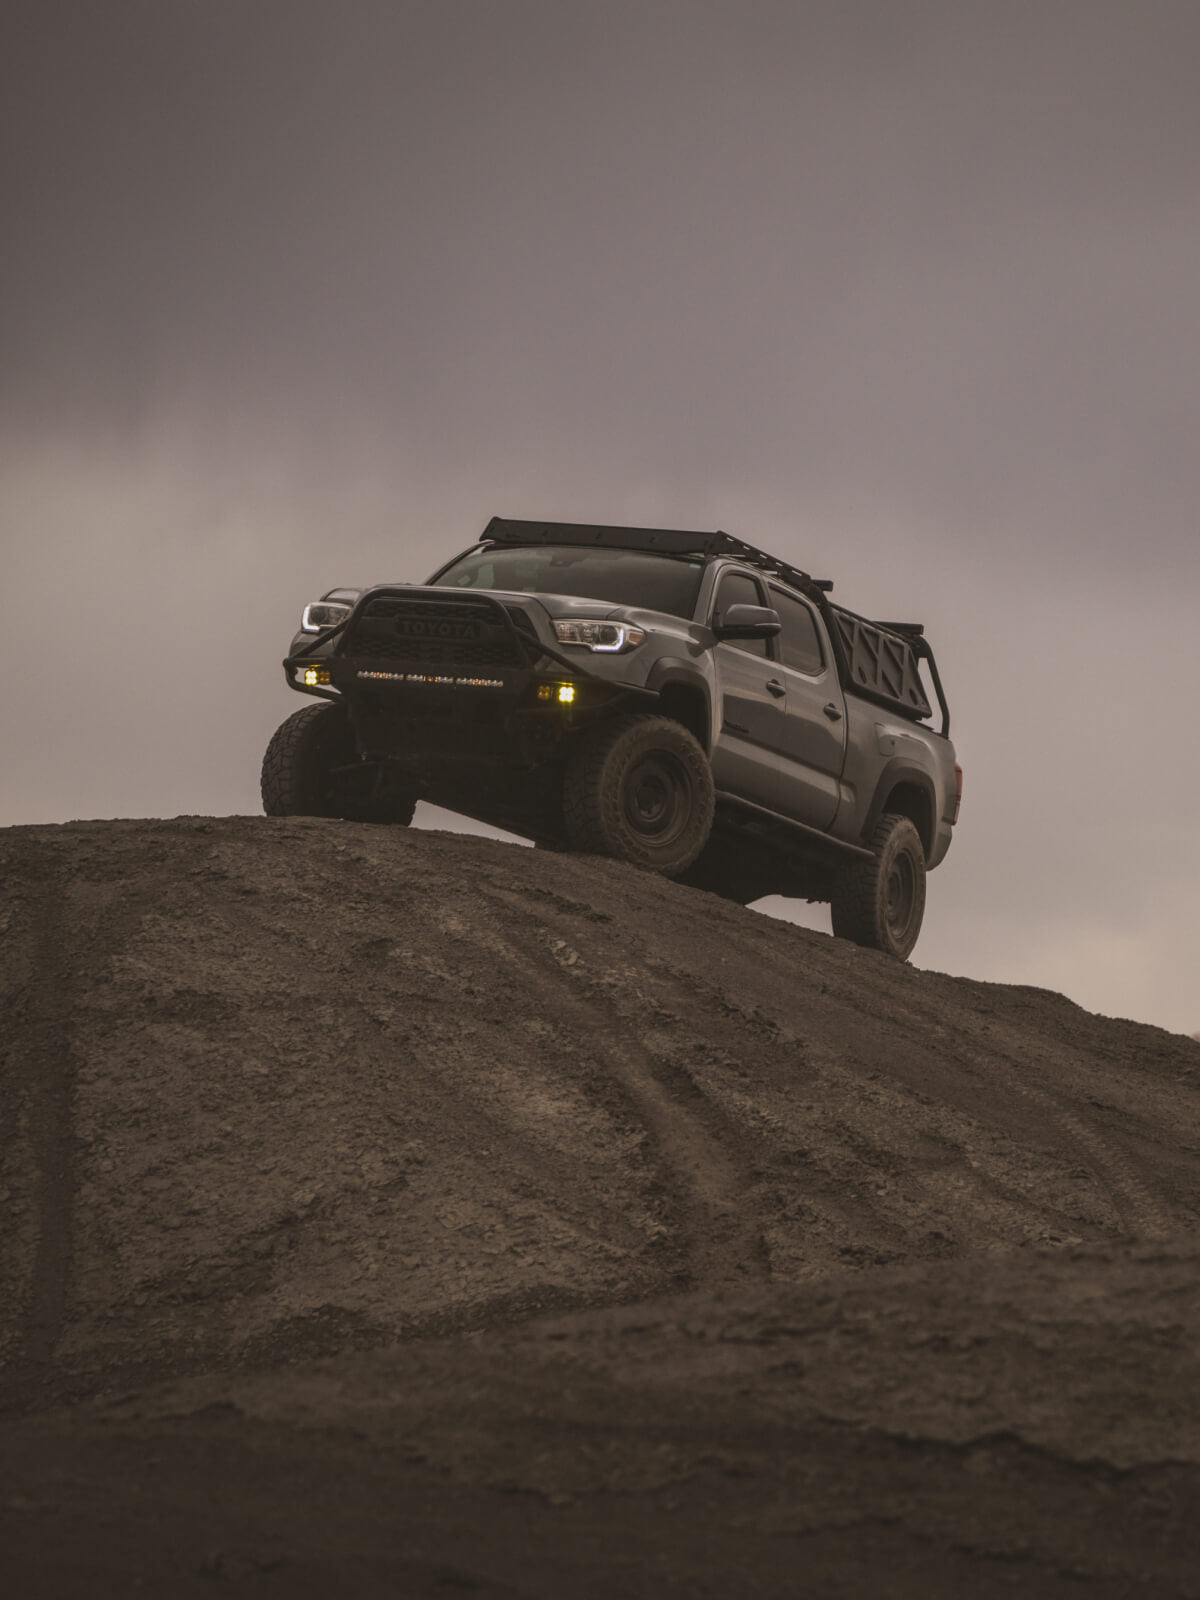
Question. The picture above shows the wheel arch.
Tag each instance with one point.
(684, 697)
(908, 792)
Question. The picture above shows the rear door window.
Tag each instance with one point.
(799, 643)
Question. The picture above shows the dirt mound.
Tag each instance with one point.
(279, 1089)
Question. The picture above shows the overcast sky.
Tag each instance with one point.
(300, 294)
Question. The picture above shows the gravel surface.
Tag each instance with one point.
(405, 1213)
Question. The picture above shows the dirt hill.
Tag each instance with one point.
(407, 1213)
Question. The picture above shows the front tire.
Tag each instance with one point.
(880, 903)
(312, 769)
(640, 789)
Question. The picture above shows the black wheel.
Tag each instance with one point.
(880, 903)
(312, 769)
(640, 789)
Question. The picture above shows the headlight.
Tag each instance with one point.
(323, 614)
(604, 637)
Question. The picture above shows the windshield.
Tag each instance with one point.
(618, 577)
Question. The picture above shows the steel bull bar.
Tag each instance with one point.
(452, 676)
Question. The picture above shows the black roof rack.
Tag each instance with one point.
(915, 630)
(667, 541)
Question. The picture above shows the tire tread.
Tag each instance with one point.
(283, 768)
(857, 905)
(288, 783)
(592, 804)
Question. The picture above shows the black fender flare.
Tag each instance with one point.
(668, 671)
(895, 772)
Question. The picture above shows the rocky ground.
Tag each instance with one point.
(398, 1213)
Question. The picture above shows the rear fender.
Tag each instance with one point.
(910, 791)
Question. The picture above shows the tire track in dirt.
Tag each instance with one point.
(690, 1135)
(41, 1102)
(44, 1085)
(1140, 1211)
(1136, 1207)
(1007, 1066)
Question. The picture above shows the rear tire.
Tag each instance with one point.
(880, 903)
(640, 789)
(309, 770)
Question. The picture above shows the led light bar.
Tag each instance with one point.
(430, 680)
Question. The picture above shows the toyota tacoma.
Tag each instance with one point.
(681, 701)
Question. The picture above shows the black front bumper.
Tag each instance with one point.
(442, 683)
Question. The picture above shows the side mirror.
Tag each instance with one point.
(747, 622)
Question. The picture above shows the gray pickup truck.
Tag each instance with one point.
(677, 700)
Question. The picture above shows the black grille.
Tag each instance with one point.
(440, 652)
(430, 610)
(435, 633)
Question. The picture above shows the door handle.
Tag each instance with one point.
(832, 712)
(775, 687)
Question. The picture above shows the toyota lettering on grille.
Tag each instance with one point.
(436, 628)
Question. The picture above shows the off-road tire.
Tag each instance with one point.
(302, 776)
(880, 903)
(640, 789)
